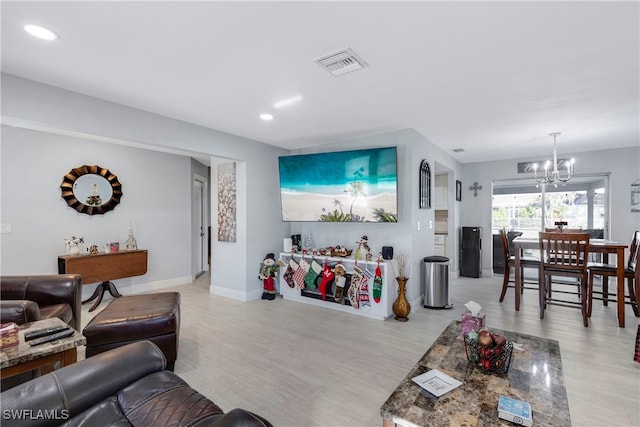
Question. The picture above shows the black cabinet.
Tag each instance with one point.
(471, 252)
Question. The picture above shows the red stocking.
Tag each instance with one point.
(327, 277)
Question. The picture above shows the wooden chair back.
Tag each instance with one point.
(505, 246)
(565, 252)
(634, 252)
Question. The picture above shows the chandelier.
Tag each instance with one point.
(551, 176)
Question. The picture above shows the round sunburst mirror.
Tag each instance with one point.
(91, 190)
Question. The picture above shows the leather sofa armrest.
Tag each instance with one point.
(46, 289)
(77, 387)
(238, 418)
(19, 311)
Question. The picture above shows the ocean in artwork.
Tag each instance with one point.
(344, 186)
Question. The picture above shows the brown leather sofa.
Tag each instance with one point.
(25, 299)
(126, 386)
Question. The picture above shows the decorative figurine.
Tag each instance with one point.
(131, 244)
(268, 271)
(72, 244)
(93, 250)
(363, 251)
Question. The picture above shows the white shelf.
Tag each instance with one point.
(380, 310)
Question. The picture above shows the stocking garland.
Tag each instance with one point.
(377, 285)
(327, 278)
(312, 274)
(298, 276)
(289, 272)
(364, 288)
(354, 289)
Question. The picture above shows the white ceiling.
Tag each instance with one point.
(493, 78)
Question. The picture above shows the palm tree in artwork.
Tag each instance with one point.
(356, 189)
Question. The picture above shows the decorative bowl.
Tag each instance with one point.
(489, 359)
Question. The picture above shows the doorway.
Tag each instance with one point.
(200, 229)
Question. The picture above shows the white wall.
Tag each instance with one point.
(411, 234)
(154, 201)
(32, 105)
(622, 164)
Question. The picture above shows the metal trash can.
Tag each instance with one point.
(435, 282)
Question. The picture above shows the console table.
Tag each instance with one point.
(103, 268)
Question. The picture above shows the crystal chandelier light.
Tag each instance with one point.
(551, 176)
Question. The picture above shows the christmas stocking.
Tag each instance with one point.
(327, 277)
(340, 280)
(377, 285)
(298, 276)
(312, 274)
(354, 290)
(289, 272)
(364, 288)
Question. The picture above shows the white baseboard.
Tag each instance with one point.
(236, 294)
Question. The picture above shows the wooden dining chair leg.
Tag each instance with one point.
(633, 297)
(590, 290)
(584, 300)
(505, 282)
(605, 290)
(542, 293)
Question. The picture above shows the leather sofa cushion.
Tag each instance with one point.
(135, 317)
(61, 311)
(19, 311)
(163, 399)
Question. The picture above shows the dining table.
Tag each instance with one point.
(602, 246)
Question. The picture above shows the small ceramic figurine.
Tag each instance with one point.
(268, 271)
(363, 251)
(72, 244)
(93, 250)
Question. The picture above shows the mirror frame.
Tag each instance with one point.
(69, 180)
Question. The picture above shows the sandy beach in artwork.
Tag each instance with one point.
(308, 206)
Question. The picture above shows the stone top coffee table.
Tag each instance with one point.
(23, 357)
(535, 376)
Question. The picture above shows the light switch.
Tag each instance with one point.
(418, 225)
(430, 224)
(5, 228)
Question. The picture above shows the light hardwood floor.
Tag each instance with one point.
(300, 365)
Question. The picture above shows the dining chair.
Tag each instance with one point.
(566, 255)
(510, 262)
(608, 270)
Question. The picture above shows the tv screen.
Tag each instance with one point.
(342, 186)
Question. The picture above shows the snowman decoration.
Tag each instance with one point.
(363, 251)
(268, 271)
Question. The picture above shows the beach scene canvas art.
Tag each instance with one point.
(342, 186)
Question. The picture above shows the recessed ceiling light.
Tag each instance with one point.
(266, 116)
(288, 101)
(40, 32)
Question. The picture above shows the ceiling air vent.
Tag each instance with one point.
(341, 62)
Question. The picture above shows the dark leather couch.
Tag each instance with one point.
(126, 386)
(28, 298)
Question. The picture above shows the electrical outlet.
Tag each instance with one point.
(5, 228)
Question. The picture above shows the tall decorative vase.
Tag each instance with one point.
(401, 307)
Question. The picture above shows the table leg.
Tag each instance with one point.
(99, 293)
(620, 278)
